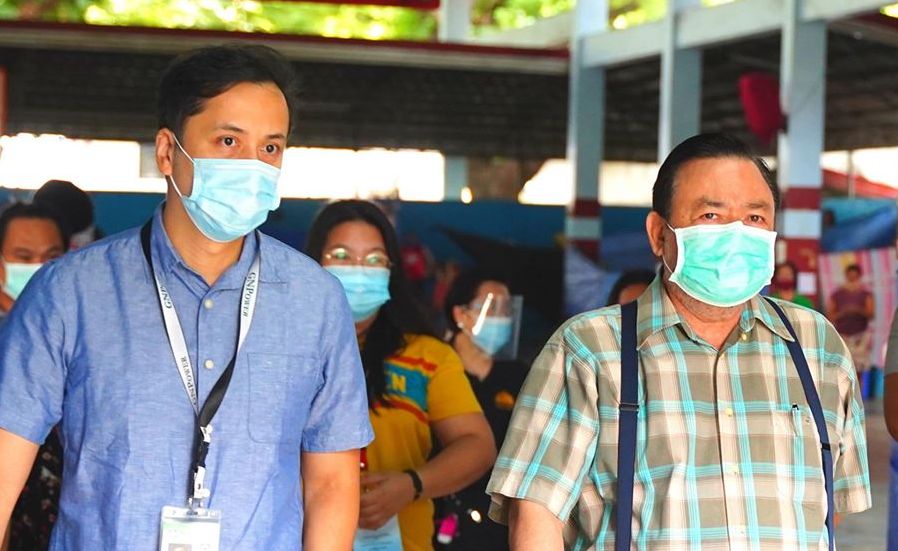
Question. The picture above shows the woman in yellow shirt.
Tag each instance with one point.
(416, 383)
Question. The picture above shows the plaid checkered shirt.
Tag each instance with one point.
(727, 457)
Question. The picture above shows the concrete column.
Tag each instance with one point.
(454, 26)
(803, 92)
(454, 20)
(586, 131)
(455, 173)
(681, 84)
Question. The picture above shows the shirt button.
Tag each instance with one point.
(729, 412)
(209, 364)
(744, 336)
(208, 304)
(735, 470)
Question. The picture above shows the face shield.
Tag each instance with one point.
(497, 325)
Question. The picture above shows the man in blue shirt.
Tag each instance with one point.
(141, 344)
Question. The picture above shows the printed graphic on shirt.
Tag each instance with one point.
(407, 380)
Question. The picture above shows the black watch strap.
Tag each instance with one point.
(416, 482)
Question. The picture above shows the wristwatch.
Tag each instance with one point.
(416, 482)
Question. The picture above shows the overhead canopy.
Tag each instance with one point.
(861, 93)
(96, 82)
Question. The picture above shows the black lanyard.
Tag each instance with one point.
(203, 432)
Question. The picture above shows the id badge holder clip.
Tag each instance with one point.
(190, 529)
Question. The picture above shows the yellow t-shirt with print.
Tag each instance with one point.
(425, 383)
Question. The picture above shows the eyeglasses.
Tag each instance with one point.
(340, 256)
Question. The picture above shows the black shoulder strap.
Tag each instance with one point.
(626, 436)
(813, 398)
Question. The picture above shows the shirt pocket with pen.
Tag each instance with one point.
(282, 387)
(799, 460)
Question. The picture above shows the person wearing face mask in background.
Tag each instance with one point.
(784, 285)
(416, 384)
(702, 415)
(208, 376)
(31, 236)
(484, 324)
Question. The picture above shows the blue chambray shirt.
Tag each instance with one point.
(86, 345)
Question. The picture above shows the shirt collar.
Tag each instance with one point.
(762, 311)
(657, 313)
(169, 260)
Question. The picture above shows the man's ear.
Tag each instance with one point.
(165, 151)
(654, 229)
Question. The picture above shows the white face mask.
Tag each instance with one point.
(17, 277)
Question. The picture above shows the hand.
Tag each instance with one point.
(383, 496)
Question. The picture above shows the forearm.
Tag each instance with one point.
(16, 457)
(330, 483)
(532, 527)
(461, 463)
(331, 517)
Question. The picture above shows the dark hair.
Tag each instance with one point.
(854, 268)
(704, 146)
(463, 290)
(402, 315)
(16, 211)
(71, 204)
(202, 74)
(631, 277)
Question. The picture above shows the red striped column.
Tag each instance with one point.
(583, 227)
(802, 95)
(800, 230)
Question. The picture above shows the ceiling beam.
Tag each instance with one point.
(141, 40)
(702, 27)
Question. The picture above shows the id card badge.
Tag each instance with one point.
(385, 538)
(190, 529)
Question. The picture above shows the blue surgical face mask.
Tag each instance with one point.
(723, 265)
(17, 277)
(494, 334)
(367, 289)
(230, 197)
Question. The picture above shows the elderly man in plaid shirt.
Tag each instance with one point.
(725, 420)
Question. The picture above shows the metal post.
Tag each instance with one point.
(454, 26)
(586, 128)
(455, 173)
(454, 20)
(681, 84)
(803, 87)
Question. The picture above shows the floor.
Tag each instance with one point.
(867, 531)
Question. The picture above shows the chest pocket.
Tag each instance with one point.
(282, 388)
(797, 450)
